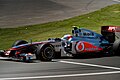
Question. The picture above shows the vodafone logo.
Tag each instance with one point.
(80, 46)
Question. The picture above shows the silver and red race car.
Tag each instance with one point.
(80, 42)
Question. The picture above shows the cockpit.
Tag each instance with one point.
(80, 32)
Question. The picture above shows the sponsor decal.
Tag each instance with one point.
(114, 28)
(86, 47)
(80, 46)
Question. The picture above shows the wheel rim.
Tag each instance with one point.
(48, 52)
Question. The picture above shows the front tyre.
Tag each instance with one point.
(46, 53)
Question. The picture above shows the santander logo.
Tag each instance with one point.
(80, 46)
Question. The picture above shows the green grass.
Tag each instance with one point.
(106, 16)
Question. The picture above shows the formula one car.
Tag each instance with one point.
(86, 41)
(81, 41)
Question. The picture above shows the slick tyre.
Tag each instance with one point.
(19, 42)
(116, 47)
(45, 53)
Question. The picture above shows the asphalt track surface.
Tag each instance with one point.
(14, 13)
(92, 68)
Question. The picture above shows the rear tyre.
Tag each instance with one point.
(46, 53)
(116, 47)
(19, 42)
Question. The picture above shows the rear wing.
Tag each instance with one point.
(111, 33)
(110, 29)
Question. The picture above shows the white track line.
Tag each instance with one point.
(92, 65)
(71, 75)
(62, 76)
